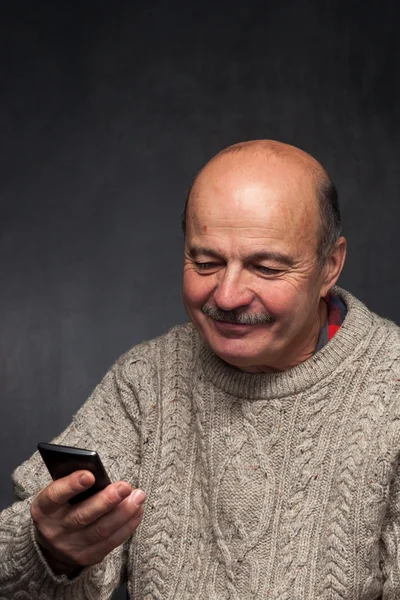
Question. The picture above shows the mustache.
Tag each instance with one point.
(235, 316)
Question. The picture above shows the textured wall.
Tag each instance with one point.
(108, 110)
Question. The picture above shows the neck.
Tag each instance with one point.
(302, 351)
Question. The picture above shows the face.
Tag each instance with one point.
(252, 286)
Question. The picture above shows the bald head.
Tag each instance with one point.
(283, 166)
(270, 149)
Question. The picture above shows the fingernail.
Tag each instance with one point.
(138, 497)
(123, 491)
(85, 479)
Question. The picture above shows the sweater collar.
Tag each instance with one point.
(321, 365)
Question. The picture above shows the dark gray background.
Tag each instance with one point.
(108, 109)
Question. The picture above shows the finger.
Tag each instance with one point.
(107, 525)
(95, 554)
(57, 493)
(93, 508)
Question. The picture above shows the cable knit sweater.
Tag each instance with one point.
(282, 486)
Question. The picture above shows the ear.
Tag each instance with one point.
(333, 266)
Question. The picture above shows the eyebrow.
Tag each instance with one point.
(279, 257)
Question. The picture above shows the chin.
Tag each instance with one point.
(235, 352)
(240, 351)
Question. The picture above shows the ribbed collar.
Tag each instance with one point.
(254, 386)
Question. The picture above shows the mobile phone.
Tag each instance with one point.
(64, 460)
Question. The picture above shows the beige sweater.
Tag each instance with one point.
(260, 486)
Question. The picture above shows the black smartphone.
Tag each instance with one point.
(64, 460)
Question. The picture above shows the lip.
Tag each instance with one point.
(223, 326)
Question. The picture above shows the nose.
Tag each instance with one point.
(232, 292)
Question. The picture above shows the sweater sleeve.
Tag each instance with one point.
(390, 543)
(108, 422)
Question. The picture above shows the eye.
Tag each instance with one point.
(205, 266)
(268, 271)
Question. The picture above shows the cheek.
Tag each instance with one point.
(196, 289)
(283, 300)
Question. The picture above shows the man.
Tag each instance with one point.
(265, 434)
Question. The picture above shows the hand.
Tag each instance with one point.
(80, 535)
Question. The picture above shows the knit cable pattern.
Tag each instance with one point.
(282, 486)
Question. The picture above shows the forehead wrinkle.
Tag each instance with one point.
(271, 240)
(251, 206)
(252, 232)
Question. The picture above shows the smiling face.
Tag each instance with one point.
(252, 286)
